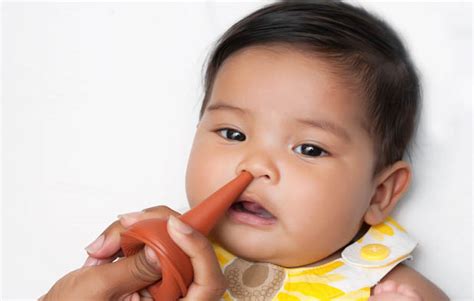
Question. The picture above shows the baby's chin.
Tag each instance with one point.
(253, 248)
(248, 247)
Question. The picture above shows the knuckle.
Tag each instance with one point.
(223, 285)
(74, 278)
(156, 209)
(144, 293)
(218, 288)
(160, 211)
(201, 243)
(88, 277)
(141, 270)
(115, 227)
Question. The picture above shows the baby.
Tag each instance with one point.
(318, 101)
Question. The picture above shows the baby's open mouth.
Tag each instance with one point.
(252, 208)
(250, 212)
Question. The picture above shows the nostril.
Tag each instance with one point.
(244, 170)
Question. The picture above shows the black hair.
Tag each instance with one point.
(358, 44)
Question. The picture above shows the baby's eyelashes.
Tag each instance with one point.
(306, 149)
(231, 134)
(311, 150)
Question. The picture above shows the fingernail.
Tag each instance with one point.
(150, 255)
(90, 261)
(132, 216)
(135, 297)
(179, 226)
(96, 244)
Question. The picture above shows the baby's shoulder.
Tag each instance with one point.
(427, 289)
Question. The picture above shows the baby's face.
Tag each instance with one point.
(312, 179)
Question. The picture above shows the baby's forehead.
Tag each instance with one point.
(285, 80)
(293, 55)
(291, 66)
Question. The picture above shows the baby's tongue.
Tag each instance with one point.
(256, 209)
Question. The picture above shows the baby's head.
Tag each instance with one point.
(318, 101)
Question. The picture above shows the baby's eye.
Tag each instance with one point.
(231, 134)
(311, 150)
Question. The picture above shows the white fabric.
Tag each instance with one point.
(100, 103)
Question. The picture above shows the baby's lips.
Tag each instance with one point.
(251, 197)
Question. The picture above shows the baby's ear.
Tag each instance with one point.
(391, 185)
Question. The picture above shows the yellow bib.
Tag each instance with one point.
(362, 264)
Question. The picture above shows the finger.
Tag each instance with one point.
(134, 297)
(408, 291)
(126, 220)
(127, 275)
(144, 293)
(130, 297)
(91, 261)
(208, 283)
(108, 243)
(388, 286)
(377, 289)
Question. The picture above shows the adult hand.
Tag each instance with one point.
(208, 284)
(106, 248)
(111, 281)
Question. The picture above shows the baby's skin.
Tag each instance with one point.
(301, 130)
(107, 249)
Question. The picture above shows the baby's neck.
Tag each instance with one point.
(325, 260)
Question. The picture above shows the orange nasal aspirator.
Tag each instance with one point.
(177, 271)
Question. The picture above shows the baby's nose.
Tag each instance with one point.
(261, 167)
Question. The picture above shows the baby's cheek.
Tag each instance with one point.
(307, 238)
(317, 236)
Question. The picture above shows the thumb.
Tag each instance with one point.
(130, 274)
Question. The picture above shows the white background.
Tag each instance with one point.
(100, 103)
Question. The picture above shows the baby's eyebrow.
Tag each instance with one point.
(219, 106)
(321, 124)
(327, 126)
